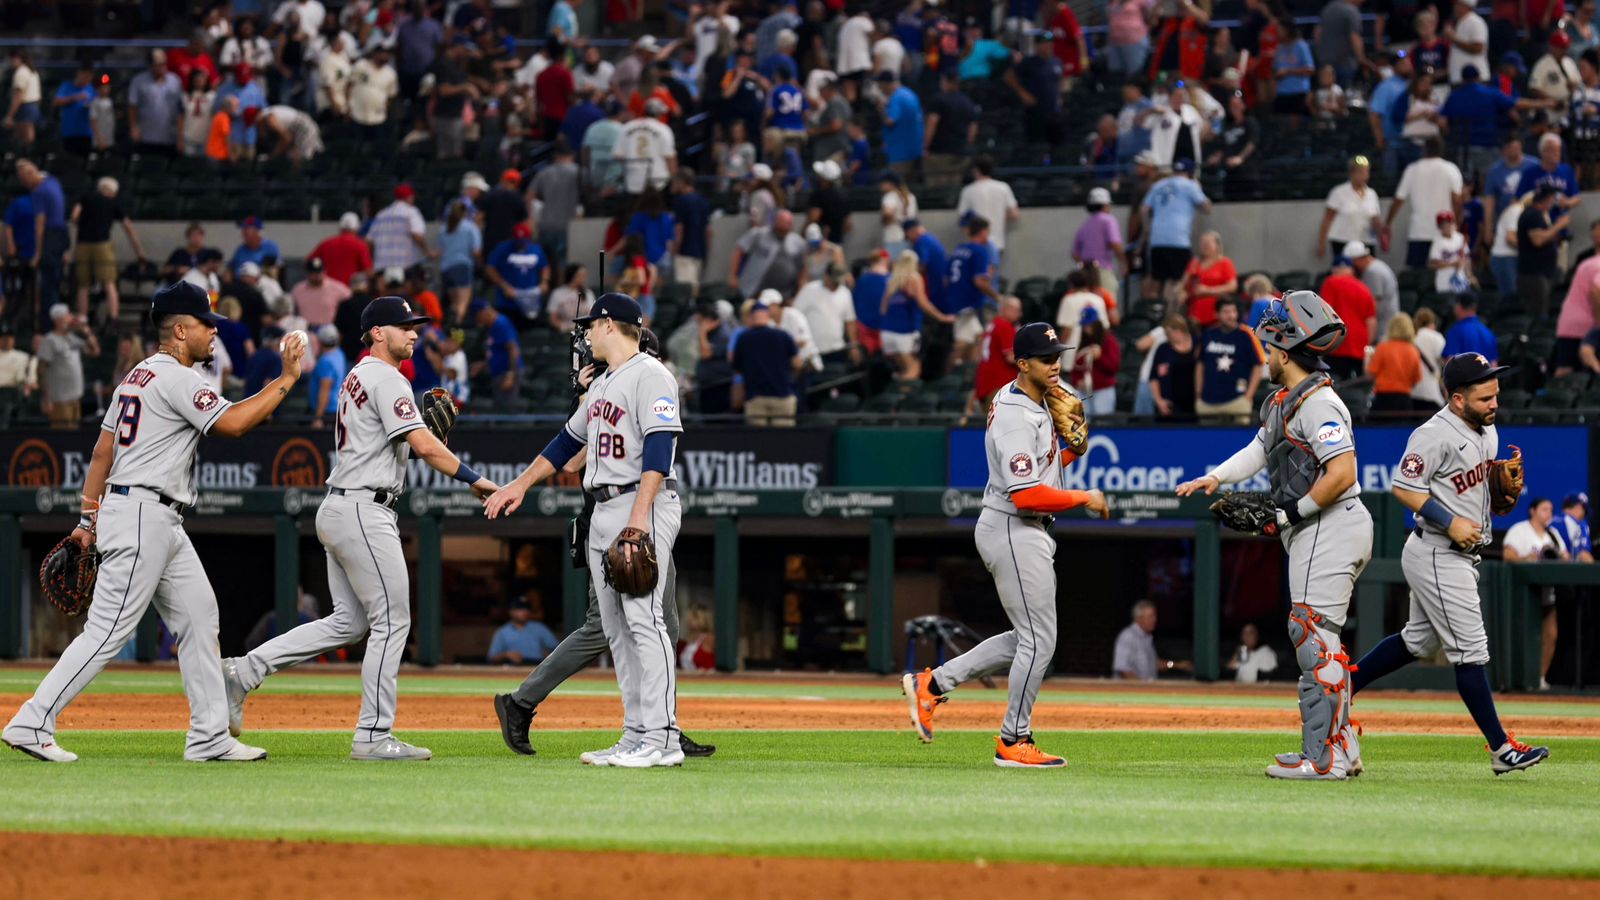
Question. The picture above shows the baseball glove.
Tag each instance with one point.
(1505, 481)
(1066, 410)
(1250, 512)
(439, 412)
(66, 577)
(630, 563)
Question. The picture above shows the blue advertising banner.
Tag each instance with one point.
(1158, 459)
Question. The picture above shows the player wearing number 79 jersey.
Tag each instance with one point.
(143, 467)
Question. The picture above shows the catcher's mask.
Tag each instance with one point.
(1303, 325)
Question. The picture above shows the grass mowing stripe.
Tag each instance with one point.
(423, 684)
(1135, 798)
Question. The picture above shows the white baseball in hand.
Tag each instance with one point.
(305, 340)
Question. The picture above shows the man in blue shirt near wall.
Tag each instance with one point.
(1385, 129)
(902, 124)
(969, 282)
(51, 239)
(72, 100)
(1469, 334)
(1169, 209)
(767, 359)
(502, 361)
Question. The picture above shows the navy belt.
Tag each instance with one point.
(382, 498)
(613, 491)
(127, 491)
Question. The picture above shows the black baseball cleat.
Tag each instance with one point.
(515, 719)
(690, 748)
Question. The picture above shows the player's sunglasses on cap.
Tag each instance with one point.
(390, 310)
(616, 307)
(1037, 339)
(1466, 369)
(184, 298)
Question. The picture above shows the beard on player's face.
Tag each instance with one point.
(401, 342)
(200, 340)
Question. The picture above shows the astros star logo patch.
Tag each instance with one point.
(205, 399)
(405, 409)
(1022, 465)
(1411, 466)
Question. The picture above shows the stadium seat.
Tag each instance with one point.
(842, 404)
(1514, 398)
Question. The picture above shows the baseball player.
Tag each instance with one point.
(140, 482)
(377, 429)
(629, 424)
(1013, 538)
(1306, 445)
(1443, 479)
(585, 644)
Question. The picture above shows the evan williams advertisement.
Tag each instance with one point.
(708, 459)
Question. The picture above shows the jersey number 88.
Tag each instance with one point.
(610, 445)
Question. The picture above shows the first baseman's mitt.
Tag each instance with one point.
(1250, 512)
(1505, 481)
(630, 563)
(1066, 410)
(66, 577)
(439, 412)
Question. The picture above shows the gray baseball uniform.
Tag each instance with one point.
(156, 418)
(1449, 459)
(367, 573)
(1019, 553)
(1302, 430)
(629, 402)
(583, 645)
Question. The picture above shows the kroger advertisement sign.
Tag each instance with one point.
(1159, 459)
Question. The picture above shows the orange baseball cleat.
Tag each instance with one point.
(922, 699)
(1024, 754)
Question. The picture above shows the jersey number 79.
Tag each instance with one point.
(128, 419)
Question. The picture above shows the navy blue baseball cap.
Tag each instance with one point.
(183, 298)
(1036, 339)
(1466, 369)
(390, 310)
(1183, 165)
(616, 307)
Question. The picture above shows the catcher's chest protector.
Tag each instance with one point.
(1290, 465)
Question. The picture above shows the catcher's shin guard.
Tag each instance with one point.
(1324, 688)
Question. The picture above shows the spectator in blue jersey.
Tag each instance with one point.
(1293, 66)
(265, 364)
(243, 84)
(902, 124)
(903, 307)
(969, 284)
(18, 225)
(1506, 179)
(1475, 111)
(859, 163)
(254, 246)
(520, 273)
(72, 103)
(583, 113)
(49, 227)
(327, 375)
(691, 215)
(932, 258)
(1469, 334)
(1168, 209)
(1553, 172)
(766, 359)
(1228, 370)
(501, 362)
(868, 299)
(655, 226)
(1386, 132)
(786, 113)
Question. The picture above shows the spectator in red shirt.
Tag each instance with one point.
(1211, 277)
(1095, 368)
(553, 90)
(1068, 44)
(997, 366)
(1354, 303)
(185, 60)
(344, 254)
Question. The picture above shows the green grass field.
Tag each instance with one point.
(1427, 803)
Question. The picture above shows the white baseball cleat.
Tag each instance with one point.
(239, 752)
(46, 752)
(390, 749)
(602, 757)
(647, 758)
(236, 695)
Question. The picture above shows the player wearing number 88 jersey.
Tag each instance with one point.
(629, 421)
(143, 469)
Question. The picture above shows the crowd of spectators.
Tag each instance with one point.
(789, 106)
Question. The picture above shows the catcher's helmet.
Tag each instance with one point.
(1303, 323)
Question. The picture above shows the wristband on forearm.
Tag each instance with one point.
(465, 475)
(1303, 508)
(1434, 512)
